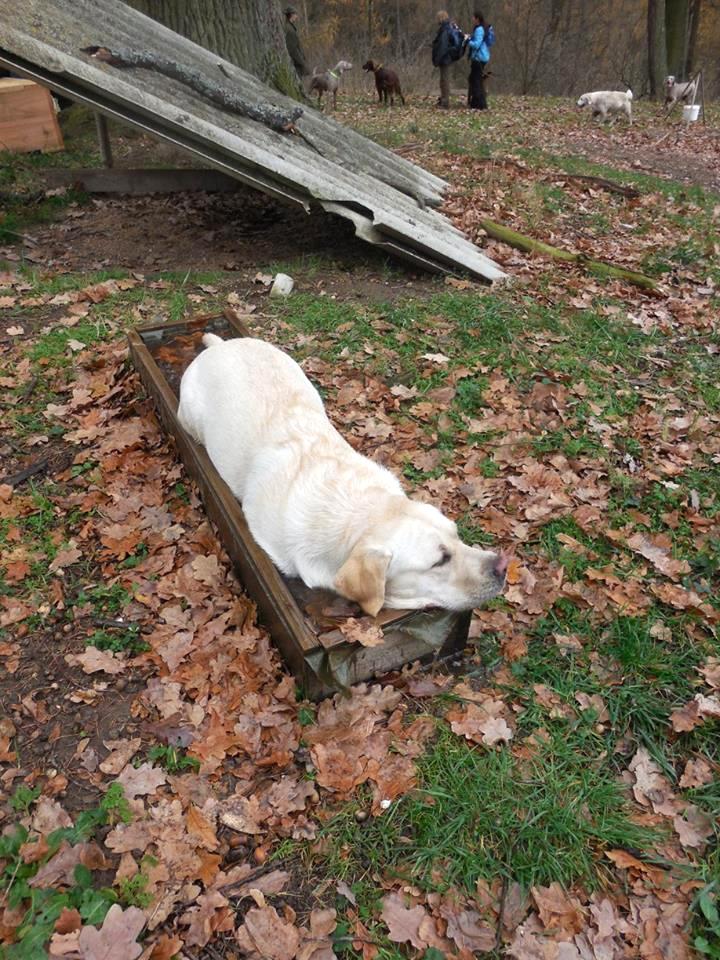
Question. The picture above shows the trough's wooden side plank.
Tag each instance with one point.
(27, 118)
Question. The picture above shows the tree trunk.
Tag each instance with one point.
(694, 18)
(657, 57)
(676, 33)
(248, 33)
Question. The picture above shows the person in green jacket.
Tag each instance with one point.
(292, 40)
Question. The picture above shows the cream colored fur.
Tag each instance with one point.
(319, 509)
(604, 102)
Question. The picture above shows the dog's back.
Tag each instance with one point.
(239, 376)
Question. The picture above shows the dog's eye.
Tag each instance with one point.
(445, 558)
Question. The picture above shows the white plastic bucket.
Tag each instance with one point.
(691, 112)
(282, 285)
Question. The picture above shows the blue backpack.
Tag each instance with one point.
(490, 36)
(457, 42)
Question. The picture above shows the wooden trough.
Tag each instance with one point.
(304, 624)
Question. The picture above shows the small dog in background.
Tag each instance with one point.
(675, 90)
(387, 83)
(604, 102)
(329, 81)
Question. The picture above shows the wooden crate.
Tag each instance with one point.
(27, 117)
(303, 623)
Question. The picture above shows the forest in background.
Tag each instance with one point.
(554, 47)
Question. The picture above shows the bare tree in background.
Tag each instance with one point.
(536, 23)
(677, 22)
(657, 56)
(249, 33)
(694, 12)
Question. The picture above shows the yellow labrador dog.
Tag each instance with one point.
(322, 511)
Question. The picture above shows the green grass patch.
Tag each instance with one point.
(485, 813)
(173, 759)
(123, 639)
(43, 906)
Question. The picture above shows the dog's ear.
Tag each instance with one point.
(362, 577)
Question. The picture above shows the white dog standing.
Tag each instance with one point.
(321, 510)
(604, 102)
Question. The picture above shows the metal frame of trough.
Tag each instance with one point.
(389, 200)
(320, 658)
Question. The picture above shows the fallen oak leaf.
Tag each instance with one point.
(403, 922)
(364, 631)
(65, 557)
(651, 787)
(121, 752)
(93, 660)
(266, 935)
(68, 922)
(142, 780)
(697, 773)
(655, 550)
(481, 723)
(708, 706)
(166, 948)
(468, 931)
(711, 671)
(210, 915)
(693, 828)
(558, 909)
(685, 718)
(200, 827)
(116, 939)
(65, 945)
(61, 869)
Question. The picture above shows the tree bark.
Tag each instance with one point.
(657, 56)
(248, 33)
(677, 35)
(694, 18)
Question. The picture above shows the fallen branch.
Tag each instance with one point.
(521, 242)
(630, 192)
(226, 99)
(15, 479)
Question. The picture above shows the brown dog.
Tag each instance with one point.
(387, 83)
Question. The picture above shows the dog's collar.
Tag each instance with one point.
(332, 74)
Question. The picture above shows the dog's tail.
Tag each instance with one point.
(629, 94)
(210, 339)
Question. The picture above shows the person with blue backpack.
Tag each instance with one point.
(479, 43)
(447, 47)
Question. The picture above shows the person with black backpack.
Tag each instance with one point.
(479, 43)
(447, 47)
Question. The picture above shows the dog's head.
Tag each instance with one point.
(369, 66)
(343, 66)
(585, 100)
(669, 81)
(415, 559)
